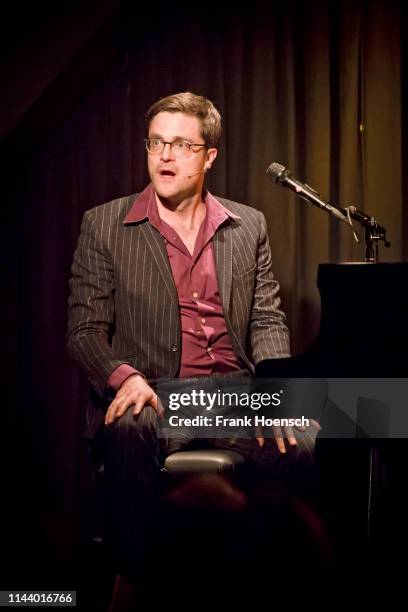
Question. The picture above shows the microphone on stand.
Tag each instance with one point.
(282, 176)
(373, 231)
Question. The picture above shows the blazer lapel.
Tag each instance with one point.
(223, 245)
(223, 262)
(159, 252)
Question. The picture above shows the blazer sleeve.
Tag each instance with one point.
(91, 307)
(269, 334)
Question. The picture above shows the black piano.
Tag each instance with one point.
(363, 325)
(363, 334)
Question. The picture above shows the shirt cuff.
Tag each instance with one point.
(120, 374)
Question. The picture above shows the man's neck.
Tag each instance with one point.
(188, 213)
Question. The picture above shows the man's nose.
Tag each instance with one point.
(167, 152)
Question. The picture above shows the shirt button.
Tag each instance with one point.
(202, 320)
(209, 350)
(174, 348)
(195, 294)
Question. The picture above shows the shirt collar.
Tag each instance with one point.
(145, 207)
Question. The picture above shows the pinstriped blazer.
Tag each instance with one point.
(123, 305)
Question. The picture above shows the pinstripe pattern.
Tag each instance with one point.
(123, 306)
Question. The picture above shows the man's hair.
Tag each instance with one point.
(195, 106)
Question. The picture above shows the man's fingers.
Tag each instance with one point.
(139, 405)
(154, 402)
(159, 408)
(121, 411)
(315, 424)
(111, 412)
(280, 442)
(117, 408)
(110, 417)
(142, 401)
(258, 435)
(289, 436)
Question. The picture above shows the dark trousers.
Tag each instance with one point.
(135, 454)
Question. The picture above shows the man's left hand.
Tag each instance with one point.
(280, 434)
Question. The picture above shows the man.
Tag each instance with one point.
(171, 283)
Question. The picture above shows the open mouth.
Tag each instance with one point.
(167, 173)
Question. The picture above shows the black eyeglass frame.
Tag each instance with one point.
(164, 142)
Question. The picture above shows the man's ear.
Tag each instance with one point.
(211, 155)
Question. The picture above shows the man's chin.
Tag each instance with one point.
(165, 188)
(168, 195)
(171, 193)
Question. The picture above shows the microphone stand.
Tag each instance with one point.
(373, 232)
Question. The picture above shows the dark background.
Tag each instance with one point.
(319, 86)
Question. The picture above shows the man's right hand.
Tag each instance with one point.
(134, 392)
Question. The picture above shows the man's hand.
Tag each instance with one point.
(282, 433)
(134, 392)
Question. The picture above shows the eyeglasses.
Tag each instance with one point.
(180, 148)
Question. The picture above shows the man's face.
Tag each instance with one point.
(176, 178)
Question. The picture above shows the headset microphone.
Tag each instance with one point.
(190, 174)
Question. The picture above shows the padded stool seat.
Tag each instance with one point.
(213, 461)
